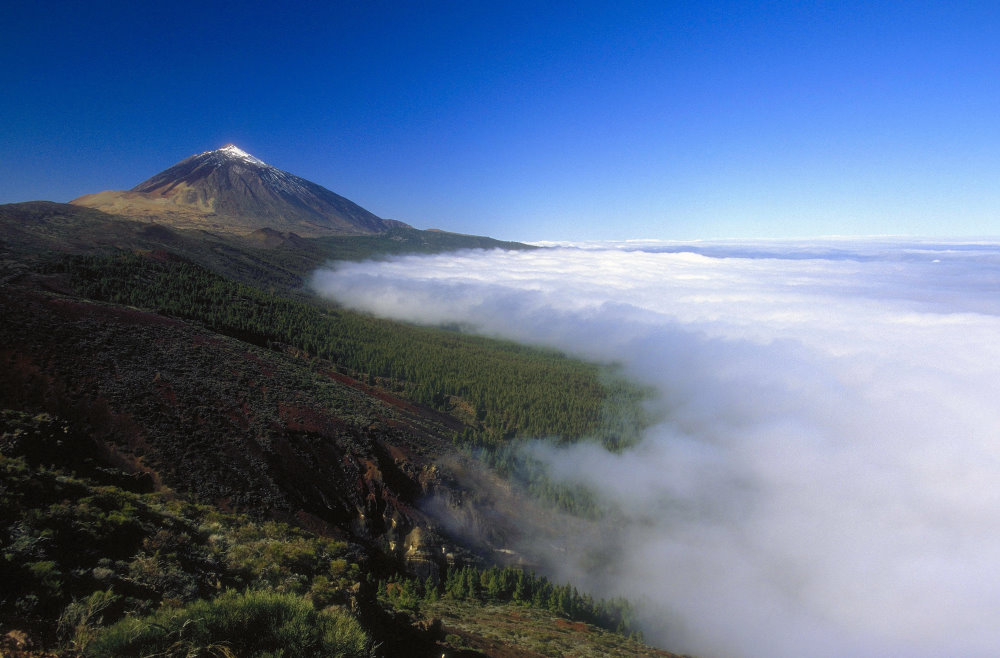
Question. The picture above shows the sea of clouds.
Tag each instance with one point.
(823, 478)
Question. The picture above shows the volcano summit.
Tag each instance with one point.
(232, 191)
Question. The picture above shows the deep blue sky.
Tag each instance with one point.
(530, 120)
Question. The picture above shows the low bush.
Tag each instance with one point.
(255, 624)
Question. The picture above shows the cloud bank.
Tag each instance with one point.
(824, 480)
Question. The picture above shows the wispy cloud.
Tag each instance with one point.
(824, 479)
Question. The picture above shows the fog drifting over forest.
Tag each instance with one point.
(825, 476)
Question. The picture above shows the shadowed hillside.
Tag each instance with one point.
(168, 368)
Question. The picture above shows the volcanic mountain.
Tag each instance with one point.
(232, 191)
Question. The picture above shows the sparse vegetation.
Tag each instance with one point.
(87, 555)
(505, 629)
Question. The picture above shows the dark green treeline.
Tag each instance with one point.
(500, 389)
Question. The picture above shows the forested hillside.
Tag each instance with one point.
(199, 458)
(501, 390)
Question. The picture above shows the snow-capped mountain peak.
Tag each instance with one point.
(233, 149)
(233, 152)
(228, 189)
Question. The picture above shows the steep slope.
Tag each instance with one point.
(230, 423)
(146, 402)
(231, 190)
(129, 365)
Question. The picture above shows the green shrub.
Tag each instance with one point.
(255, 624)
(80, 620)
(46, 573)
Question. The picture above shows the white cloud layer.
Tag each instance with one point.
(826, 479)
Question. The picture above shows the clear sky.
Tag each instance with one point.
(530, 121)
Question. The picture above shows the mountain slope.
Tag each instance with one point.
(231, 190)
(165, 366)
(144, 400)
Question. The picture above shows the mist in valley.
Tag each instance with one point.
(820, 477)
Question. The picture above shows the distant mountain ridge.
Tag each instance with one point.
(232, 191)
